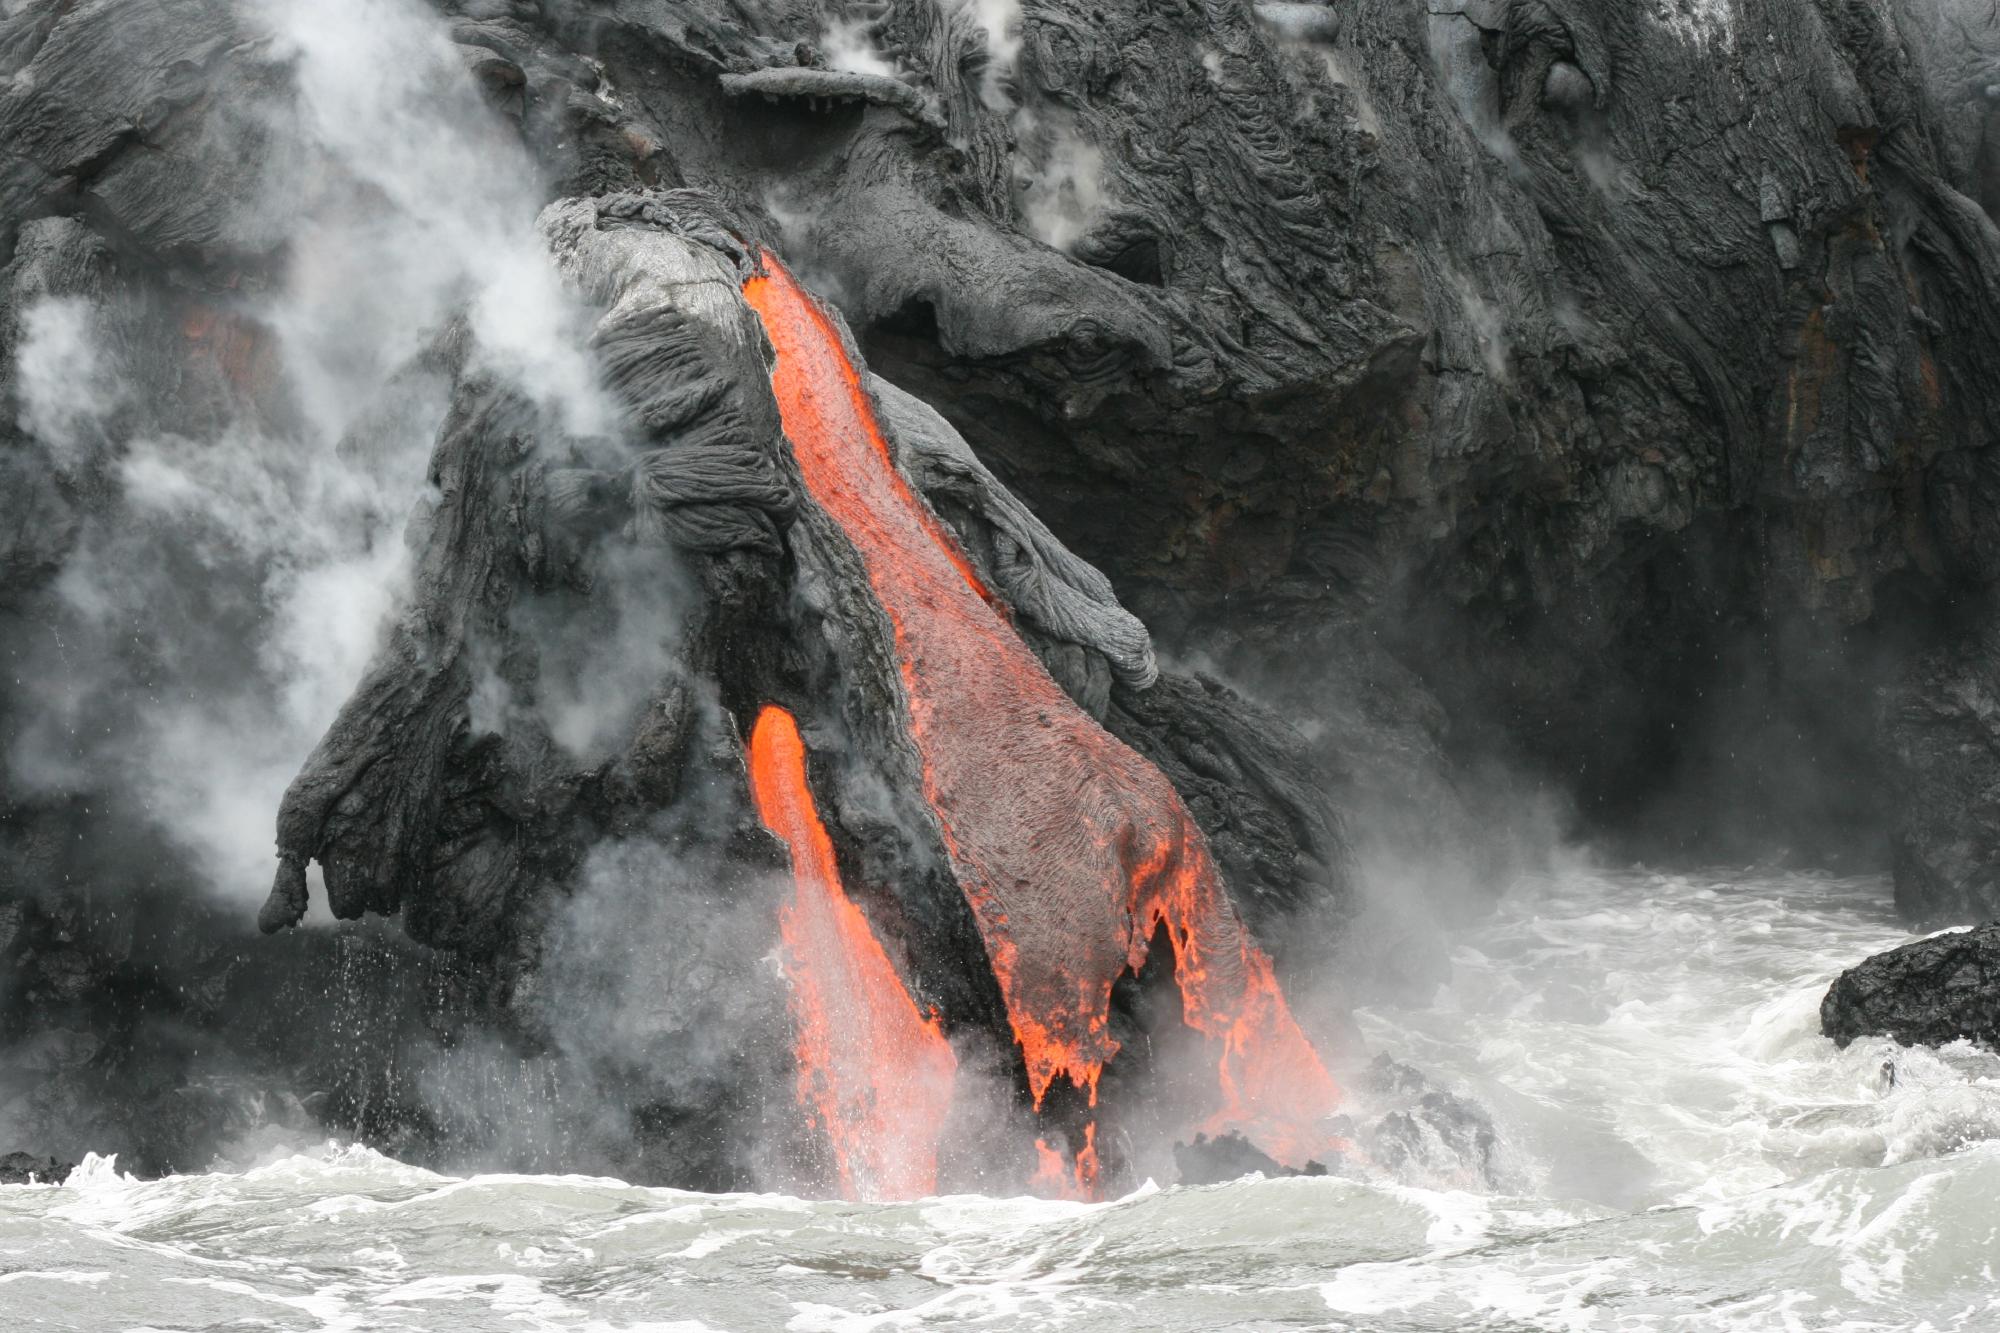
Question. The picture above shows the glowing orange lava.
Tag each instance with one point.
(1058, 1177)
(234, 345)
(1054, 1176)
(1070, 848)
(874, 1073)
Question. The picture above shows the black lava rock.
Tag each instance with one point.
(1924, 994)
(20, 1168)
(1210, 1161)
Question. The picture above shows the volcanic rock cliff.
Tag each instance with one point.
(1605, 392)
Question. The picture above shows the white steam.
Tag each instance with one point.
(850, 48)
(1702, 23)
(66, 385)
(326, 536)
(446, 215)
(1059, 176)
(1000, 21)
(1489, 327)
(595, 678)
(220, 615)
(1067, 196)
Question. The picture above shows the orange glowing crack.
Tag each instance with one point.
(873, 1073)
(1069, 847)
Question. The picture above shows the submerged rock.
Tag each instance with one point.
(20, 1168)
(1924, 994)
(1211, 1161)
(1427, 1135)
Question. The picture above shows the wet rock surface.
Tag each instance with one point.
(1941, 720)
(20, 1168)
(1228, 1157)
(1934, 991)
(1426, 1133)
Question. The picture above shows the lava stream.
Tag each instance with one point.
(874, 1073)
(1070, 848)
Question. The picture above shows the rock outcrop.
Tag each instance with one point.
(1937, 990)
(19, 1168)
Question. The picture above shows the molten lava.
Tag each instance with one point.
(1057, 1177)
(235, 346)
(1070, 848)
(874, 1073)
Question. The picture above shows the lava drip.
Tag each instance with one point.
(1070, 848)
(1059, 1177)
(874, 1073)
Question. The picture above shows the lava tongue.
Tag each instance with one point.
(1069, 846)
(874, 1073)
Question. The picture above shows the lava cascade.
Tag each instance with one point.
(874, 1073)
(1070, 848)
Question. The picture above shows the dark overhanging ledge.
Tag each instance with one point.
(830, 85)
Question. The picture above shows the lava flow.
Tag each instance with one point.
(1070, 848)
(874, 1073)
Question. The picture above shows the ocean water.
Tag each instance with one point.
(1677, 1148)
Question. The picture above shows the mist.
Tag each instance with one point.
(213, 619)
(256, 454)
(1063, 189)
(66, 383)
